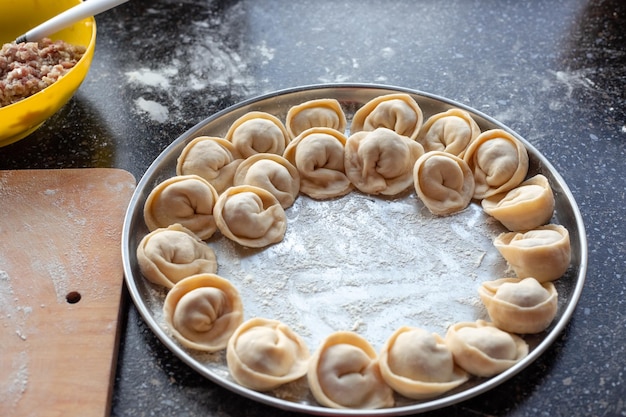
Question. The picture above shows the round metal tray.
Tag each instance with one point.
(359, 262)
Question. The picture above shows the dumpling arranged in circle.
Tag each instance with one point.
(522, 306)
(318, 154)
(484, 350)
(184, 199)
(203, 311)
(272, 173)
(212, 158)
(499, 162)
(418, 364)
(397, 111)
(543, 253)
(264, 354)
(258, 132)
(443, 182)
(324, 112)
(250, 216)
(451, 131)
(381, 161)
(167, 255)
(344, 373)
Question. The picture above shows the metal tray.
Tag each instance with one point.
(358, 262)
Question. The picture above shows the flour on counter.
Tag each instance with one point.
(199, 63)
(156, 111)
(14, 380)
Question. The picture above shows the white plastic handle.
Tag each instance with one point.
(80, 11)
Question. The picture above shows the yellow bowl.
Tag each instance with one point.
(20, 119)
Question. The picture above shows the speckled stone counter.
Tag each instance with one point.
(553, 71)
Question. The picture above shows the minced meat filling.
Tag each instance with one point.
(29, 67)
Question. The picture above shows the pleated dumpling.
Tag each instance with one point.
(444, 182)
(318, 155)
(344, 373)
(525, 207)
(258, 132)
(522, 306)
(264, 354)
(212, 158)
(381, 161)
(418, 364)
(499, 162)
(185, 199)
(397, 111)
(250, 216)
(324, 112)
(272, 173)
(484, 350)
(451, 131)
(167, 255)
(543, 253)
(203, 311)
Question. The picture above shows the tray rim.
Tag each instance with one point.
(428, 405)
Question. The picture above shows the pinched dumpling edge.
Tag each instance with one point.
(206, 228)
(341, 187)
(187, 285)
(477, 362)
(153, 273)
(513, 177)
(244, 375)
(544, 262)
(324, 103)
(285, 197)
(364, 112)
(271, 207)
(223, 177)
(518, 319)
(384, 396)
(280, 143)
(522, 214)
(371, 180)
(412, 388)
(446, 206)
(453, 148)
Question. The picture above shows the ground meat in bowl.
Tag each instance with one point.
(28, 67)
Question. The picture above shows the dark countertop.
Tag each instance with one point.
(553, 71)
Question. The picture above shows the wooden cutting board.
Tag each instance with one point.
(61, 280)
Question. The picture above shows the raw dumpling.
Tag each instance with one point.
(203, 311)
(167, 255)
(499, 162)
(258, 132)
(324, 112)
(525, 207)
(520, 306)
(264, 354)
(272, 173)
(214, 159)
(250, 216)
(398, 112)
(444, 182)
(344, 373)
(381, 161)
(318, 154)
(543, 253)
(184, 199)
(418, 364)
(451, 131)
(484, 350)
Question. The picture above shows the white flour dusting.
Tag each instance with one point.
(156, 111)
(201, 62)
(364, 264)
(13, 317)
